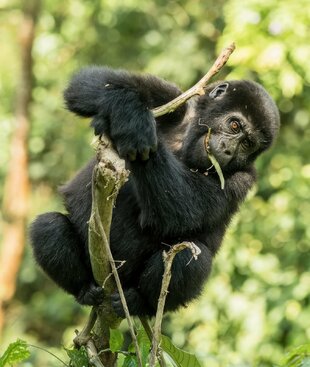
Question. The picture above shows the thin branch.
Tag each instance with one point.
(198, 88)
(149, 333)
(83, 337)
(47, 351)
(92, 354)
(168, 259)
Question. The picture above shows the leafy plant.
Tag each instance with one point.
(15, 352)
(78, 357)
(298, 357)
(116, 340)
(179, 356)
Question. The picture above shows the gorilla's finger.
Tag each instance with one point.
(145, 154)
(154, 148)
(132, 155)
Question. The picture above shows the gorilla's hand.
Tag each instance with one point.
(91, 295)
(118, 107)
(129, 123)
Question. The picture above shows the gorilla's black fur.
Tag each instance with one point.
(172, 195)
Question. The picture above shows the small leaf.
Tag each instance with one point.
(179, 356)
(130, 361)
(78, 357)
(298, 357)
(218, 169)
(144, 344)
(15, 352)
(116, 340)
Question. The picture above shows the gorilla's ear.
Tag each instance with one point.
(219, 90)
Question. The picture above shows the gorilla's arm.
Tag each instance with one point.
(97, 91)
(175, 201)
(120, 104)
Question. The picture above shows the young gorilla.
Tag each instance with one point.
(172, 195)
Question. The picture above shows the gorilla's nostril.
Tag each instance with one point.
(224, 148)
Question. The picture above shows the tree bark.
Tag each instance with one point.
(16, 187)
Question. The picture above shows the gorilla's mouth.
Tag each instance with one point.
(206, 141)
(213, 160)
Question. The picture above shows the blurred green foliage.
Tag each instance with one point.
(15, 352)
(256, 305)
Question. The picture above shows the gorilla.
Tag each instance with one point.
(173, 193)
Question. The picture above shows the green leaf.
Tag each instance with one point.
(130, 361)
(15, 352)
(218, 169)
(298, 357)
(179, 356)
(213, 160)
(144, 344)
(78, 357)
(131, 348)
(116, 340)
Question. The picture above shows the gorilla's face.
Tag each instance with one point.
(243, 121)
(233, 144)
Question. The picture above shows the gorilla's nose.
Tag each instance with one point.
(225, 149)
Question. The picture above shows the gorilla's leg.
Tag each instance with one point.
(59, 251)
(188, 276)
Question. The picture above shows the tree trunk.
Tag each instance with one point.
(16, 187)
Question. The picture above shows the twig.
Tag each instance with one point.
(49, 352)
(168, 259)
(149, 333)
(83, 337)
(198, 88)
(92, 354)
(213, 160)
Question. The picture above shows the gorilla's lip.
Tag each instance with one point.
(212, 150)
(206, 141)
(216, 165)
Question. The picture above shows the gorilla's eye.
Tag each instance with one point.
(235, 126)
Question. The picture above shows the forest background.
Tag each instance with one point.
(256, 306)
